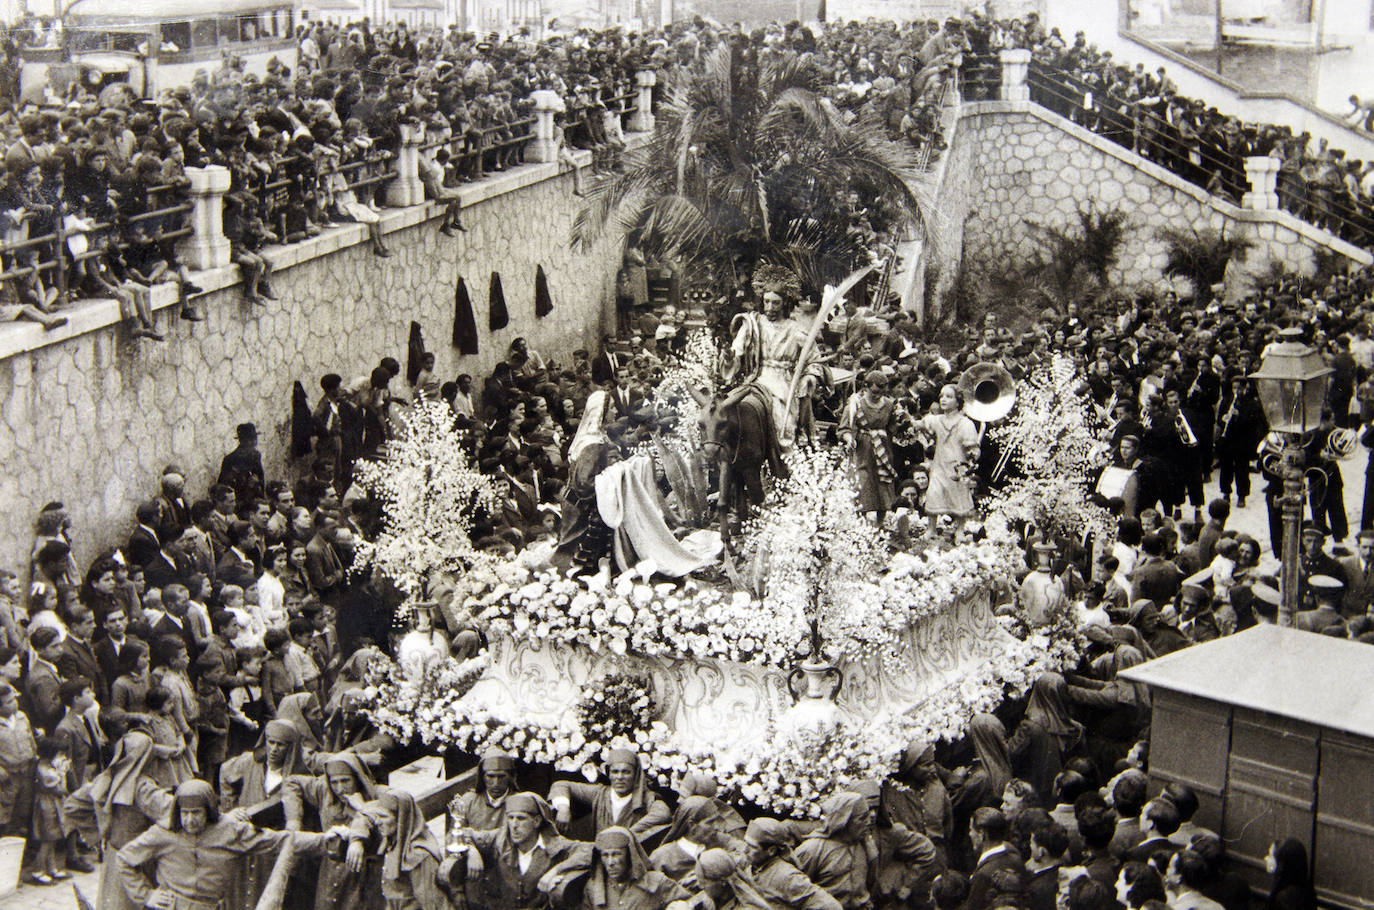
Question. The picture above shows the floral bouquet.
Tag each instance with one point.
(617, 704)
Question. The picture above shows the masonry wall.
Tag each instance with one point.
(1034, 166)
(91, 417)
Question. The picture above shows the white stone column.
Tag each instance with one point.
(544, 147)
(406, 189)
(1015, 68)
(642, 120)
(1263, 174)
(207, 247)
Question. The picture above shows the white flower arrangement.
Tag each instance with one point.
(428, 490)
(428, 705)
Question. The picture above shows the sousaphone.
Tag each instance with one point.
(989, 392)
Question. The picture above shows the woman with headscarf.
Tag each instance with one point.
(523, 859)
(698, 822)
(349, 729)
(984, 781)
(773, 867)
(119, 804)
(622, 878)
(725, 884)
(917, 798)
(1046, 735)
(337, 795)
(837, 855)
(395, 826)
(626, 801)
(302, 711)
(194, 853)
(484, 806)
(252, 778)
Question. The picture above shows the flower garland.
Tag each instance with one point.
(788, 774)
(407, 706)
(617, 704)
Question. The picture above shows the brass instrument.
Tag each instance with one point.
(1340, 444)
(1184, 430)
(989, 392)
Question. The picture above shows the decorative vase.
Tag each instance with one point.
(814, 707)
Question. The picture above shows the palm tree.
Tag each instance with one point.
(749, 164)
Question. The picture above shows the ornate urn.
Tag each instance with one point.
(814, 706)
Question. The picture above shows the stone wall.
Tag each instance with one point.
(1033, 166)
(90, 417)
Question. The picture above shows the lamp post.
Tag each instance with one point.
(1291, 381)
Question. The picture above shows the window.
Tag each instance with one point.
(203, 33)
(178, 33)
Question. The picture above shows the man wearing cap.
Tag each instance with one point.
(1314, 560)
(1042, 594)
(242, 468)
(512, 861)
(775, 871)
(194, 853)
(1326, 590)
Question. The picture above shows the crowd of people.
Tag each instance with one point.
(191, 703)
(92, 202)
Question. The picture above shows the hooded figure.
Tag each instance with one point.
(774, 869)
(302, 709)
(698, 822)
(338, 795)
(627, 801)
(119, 804)
(1046, 734)
(1291, 888)
(484, 807)
(836, 855)
(511, 881)
(727, 883)
(348, 729)
(410, 854)
(626, 881)
(194, 854)
(253, 778)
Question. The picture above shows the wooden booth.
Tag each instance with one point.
(1274, 729)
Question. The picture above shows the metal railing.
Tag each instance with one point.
(1319, 196)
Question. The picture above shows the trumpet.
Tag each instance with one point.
(1185, 432)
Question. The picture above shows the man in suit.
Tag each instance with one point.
(109, 648)
(1000, 874)
(217, 521)
(1049, 846)
(1327, 591)
(143, 545)
(44, 682)
(1359, 577)
(1155, 578)
(173, 509)
(174, 619)
(322, 562)
(77, 658)
(235, 566)
(1158, 821)
(197, 543)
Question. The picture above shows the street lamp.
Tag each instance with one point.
(1292, 381)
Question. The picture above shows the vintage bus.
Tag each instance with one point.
(157, 44)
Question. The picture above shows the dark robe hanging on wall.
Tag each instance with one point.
(302, 422)
(543, 303)
(464, 322)
(415, 353)
(497, 317)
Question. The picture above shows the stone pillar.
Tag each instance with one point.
(642, 120)
(1263, 174)
(406, 189)
(1015, 68)
(544, 148)
(207, 247)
